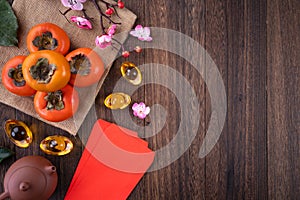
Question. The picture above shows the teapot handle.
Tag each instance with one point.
(4, 195)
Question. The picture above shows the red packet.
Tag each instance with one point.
(99, 129)
(112, 164)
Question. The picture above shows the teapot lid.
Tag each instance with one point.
(27, 183)
(31, 177)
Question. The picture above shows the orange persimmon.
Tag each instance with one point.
(57, 106)
(12, 77)
(46, 70)
(48, 36)
(86, 67)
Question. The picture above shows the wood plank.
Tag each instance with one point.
(191, 22)
(218, 176)
(236, 39)
(256, 107)
(283, 51)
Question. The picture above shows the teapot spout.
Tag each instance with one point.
(50, 170)
(4, 195)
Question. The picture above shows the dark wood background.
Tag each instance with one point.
(255, 44)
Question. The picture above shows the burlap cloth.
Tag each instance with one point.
(30, 13)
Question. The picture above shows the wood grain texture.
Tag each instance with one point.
(236, 40)
(283, 30)
(255, 45)
(218, 162)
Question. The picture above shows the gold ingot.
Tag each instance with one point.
(56, 145)
(117, 101)
(131, 73)
(18, 132)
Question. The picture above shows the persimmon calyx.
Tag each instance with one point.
(42, 71)
(45, 41)
(80, 64)
(55, 100)
(17, 76)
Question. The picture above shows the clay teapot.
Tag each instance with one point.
(30, 178)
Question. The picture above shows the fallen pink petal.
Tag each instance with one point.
(140, 110)
(142, 33)
(82, 22)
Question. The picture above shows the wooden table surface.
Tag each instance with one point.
(255, 45)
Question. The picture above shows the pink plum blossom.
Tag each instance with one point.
(82, 22)
(140, 110)
(112, 29)
(142, 33)
(103, 41)
(73, 4)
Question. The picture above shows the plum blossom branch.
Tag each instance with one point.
(105, 39)
(111, 8)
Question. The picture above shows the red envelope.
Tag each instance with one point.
(112, 164)
(97, 132)
(98, 129)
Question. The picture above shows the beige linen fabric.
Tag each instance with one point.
(30, 13)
